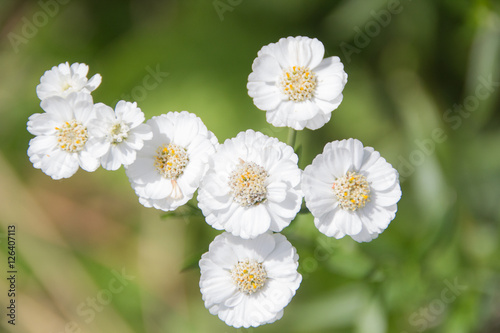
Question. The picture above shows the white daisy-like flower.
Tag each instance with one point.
(64, 79)
(252, 186)
(63, 141)
(248, 282)
(295, 85)
(351, 190)
(122, 131)
(169, 167)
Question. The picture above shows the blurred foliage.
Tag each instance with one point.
(411, 64)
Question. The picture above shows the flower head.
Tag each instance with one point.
(295, 85)
(252, 186)
(64, 79)
(169, 167)
(122, 131)
(248, 282)
(351, 190)
(64, 142)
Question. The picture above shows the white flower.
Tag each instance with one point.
(295, 85)
(248, 282)
(64, 79)
(351, 190)
(252, 186)
(122, 131)
(169, 167)
(63, 142)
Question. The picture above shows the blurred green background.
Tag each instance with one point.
(423, 90)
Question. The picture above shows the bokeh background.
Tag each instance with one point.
(423, 90)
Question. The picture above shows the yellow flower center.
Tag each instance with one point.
(249, 276)
(298, 83)
(352, 191)
(171, 160)
(247, 183)
(71, 136)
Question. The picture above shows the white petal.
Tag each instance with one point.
(304, 111)
(59, 164)
(265, 96)
(251, 222)
(143, 131)
(276, 191)
(216, 285)
(338, 161)
(257, 248)
(111, 160)
(356, 150)
(327, 107)
(348, 222)
(327, 226)
(236, 299)
(87, 161)
(41, 145)
(94, 82)
(265, 69)
(42, 124)
(76, 69)
(142, 171)
(318, 121)
(317, 53)
(58, 107)
(222, 255)
(364, 236)
(158, 189)
(297, 50)
(388, 197)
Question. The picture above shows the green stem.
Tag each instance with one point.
(292, 134)
(303, 209)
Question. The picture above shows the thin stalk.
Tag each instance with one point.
(292, 134)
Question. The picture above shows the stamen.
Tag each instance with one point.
(249, 276)
(298, 83)
(352, 191)
(118, 132)
(171, 160)
(247, 183)
(71, 136)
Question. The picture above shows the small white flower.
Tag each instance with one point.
(64, 79)
(122, 131)
(295, 85)
(252, 186)
(351, 190)
(63, 142)
(169, 167)
(248, 282)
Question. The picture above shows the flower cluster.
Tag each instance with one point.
(76, 133)
(250, 186)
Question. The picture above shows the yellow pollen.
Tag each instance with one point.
(247, 184)
(352, 191)
(249, 276)
(171, 160)
(298, 83)
(71, 136)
